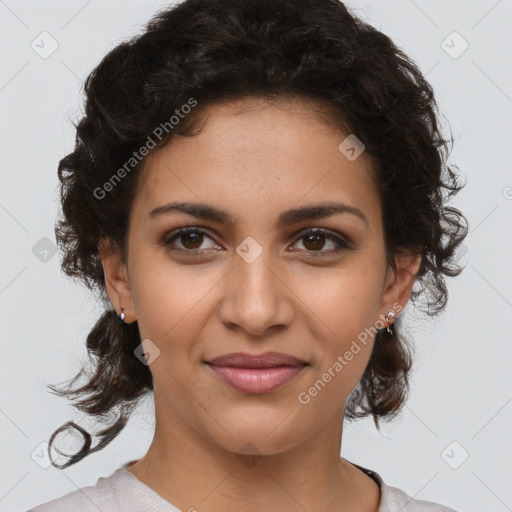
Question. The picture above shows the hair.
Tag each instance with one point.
(214, 51)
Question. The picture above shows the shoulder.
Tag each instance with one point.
(393, 499)
(121, 491)
(100, 496)
(396, 499)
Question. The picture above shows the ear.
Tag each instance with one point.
(399, 282)
(116, 278)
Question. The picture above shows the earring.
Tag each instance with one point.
(121, 317)
(390, 315)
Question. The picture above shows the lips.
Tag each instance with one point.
(256, 374)
(266, 360)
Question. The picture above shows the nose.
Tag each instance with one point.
(256, 298)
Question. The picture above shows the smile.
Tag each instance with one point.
(256, 380)
(256, 373)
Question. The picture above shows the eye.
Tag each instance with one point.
(314, 240)
(190, 239)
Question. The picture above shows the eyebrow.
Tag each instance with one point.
(287, 218)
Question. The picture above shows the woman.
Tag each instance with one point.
(256, 188)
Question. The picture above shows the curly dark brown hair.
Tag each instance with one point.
(219, 50)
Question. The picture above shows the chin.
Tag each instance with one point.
(259, 439)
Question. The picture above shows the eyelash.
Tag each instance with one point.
(340, 242)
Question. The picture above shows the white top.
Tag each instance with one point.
(124, 492)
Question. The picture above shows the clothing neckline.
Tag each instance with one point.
(151, 494)
(374, 476)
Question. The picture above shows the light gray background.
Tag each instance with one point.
(461, 383)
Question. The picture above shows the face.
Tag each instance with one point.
(268, 280)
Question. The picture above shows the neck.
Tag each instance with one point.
(191, 471)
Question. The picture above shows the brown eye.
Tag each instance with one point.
(191, 240)
(186, 240)
(315, 240)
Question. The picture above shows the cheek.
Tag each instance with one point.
(342, 303)
(342, 309)
(169, 298)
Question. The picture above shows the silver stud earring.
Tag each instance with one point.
(121, 317)
(390, 316)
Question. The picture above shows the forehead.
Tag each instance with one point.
(262, 154)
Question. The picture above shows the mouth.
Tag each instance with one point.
(256, 374)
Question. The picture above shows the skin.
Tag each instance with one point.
(254, 160)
